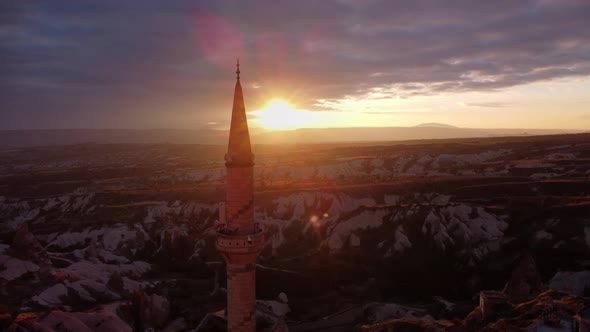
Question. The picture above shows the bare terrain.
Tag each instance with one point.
(364, 235)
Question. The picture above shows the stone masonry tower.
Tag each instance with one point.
(239, 240)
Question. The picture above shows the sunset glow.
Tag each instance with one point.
(279, 115)
(351, 64)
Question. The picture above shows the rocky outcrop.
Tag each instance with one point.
(577, 283)
(525, 282)
(280, 326)
(407, 325)
(550, 309)
(272, 313)
(99, 320)
(157, 310)
(5, 317)
(25, 246)
(149, 311)
(378, 312)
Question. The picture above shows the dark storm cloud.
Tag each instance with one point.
(164, 64)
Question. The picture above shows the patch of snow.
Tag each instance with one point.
(558, 244)
(178, 324)
(391, 199)
(51, 203)
(174, 232)
(277, 308)
(15, 212)
(210, 175)
(283, 298)
(354, 240)
(88, 279)
(335, 243)
(541, 176)
(95, 321)
(471, 159)
(525, 164)
(51, 295)
(572, 282)
(301, 204)
(101, 271)
(13, 268)
(179, 211)
(564, 326)
(439, 198)
(277, 269)
(112, 237)
(276, 239)
(301, 207)
(543, 235)
(448, 305)
(558, 147)
(80, 202)
(85, 289)
(401, 241)
(378, 312)
(464, 224)
(377, 162)
(109, 257)
(366, 219)
(560, 155)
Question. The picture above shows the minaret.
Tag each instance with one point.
(238, 239)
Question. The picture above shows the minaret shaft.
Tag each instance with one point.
(239, 241)
(239, 209)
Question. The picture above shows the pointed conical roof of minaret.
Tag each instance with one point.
(238, 150)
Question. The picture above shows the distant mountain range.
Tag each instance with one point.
(435, 125)
(47, 137)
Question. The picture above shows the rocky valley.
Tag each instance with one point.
(373, 236)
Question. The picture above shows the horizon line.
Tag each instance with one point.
(422, 125)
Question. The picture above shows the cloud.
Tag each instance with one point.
(487, 104)
(137, 64)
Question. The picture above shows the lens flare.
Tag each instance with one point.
(279, 115)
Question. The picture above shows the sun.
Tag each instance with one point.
(279, 115)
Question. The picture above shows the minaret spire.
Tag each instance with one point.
(239, 151)
(238, 70)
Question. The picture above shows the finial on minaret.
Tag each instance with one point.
(239, 150)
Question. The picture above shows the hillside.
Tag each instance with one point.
(50, 137)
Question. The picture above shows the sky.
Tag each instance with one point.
(337, 63)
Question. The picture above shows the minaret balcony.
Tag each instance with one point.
(240, 244)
